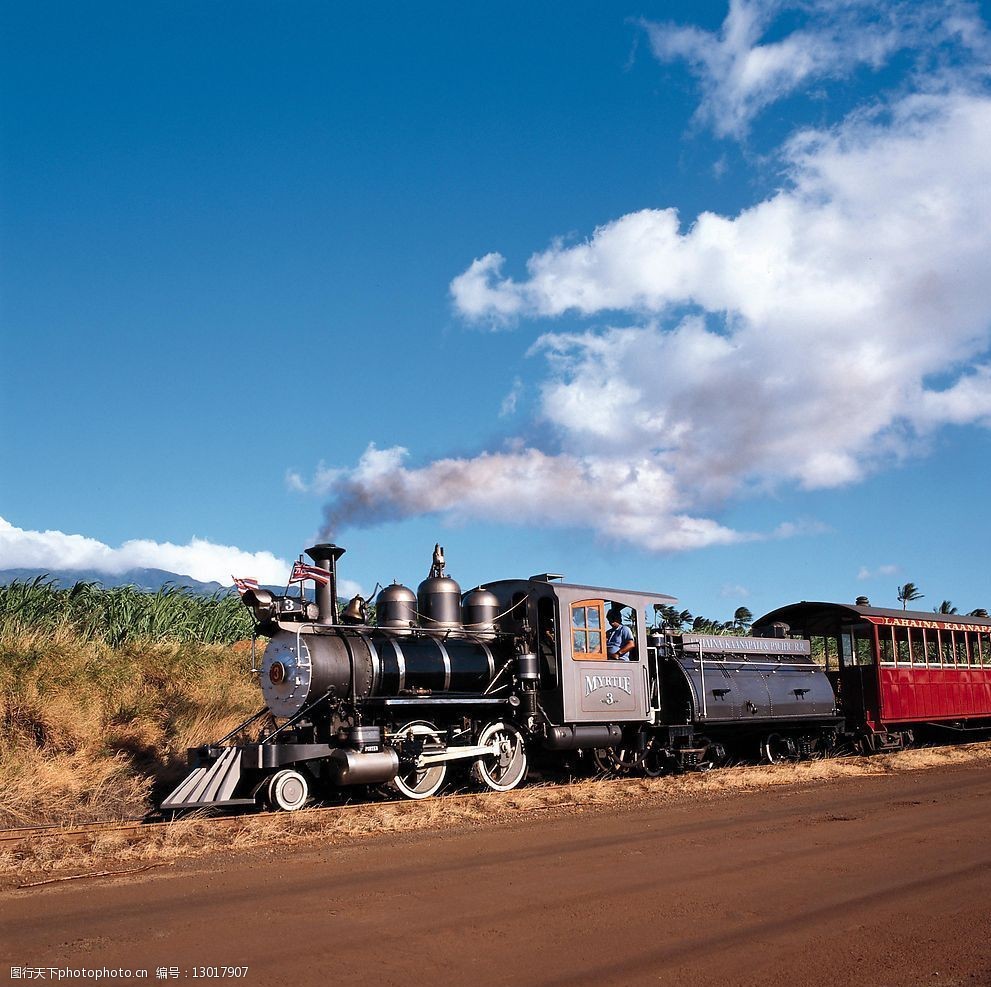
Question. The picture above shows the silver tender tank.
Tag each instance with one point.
(438, 597)
(395, 607)
(479, 609)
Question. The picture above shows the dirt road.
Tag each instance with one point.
(872, 881)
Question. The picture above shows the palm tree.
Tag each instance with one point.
(743, 618)
(705, 625)
(673, 618)
(945, 607)
(665, 613)
(979, 612)
(907, 593)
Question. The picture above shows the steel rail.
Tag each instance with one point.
(139, 828)
(72, 833)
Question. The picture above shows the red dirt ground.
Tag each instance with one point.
(881, 881)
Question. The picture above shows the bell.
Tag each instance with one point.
(354, 612)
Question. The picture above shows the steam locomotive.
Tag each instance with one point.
(487, 681)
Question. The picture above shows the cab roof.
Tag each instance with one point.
(577, 590)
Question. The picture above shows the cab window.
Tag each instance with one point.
(628, 618)
(547, 639)
(588, 639)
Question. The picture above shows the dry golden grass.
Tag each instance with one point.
(87, 730)
(196, 837)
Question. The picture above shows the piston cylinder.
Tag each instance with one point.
(582, 737)
(358, 768)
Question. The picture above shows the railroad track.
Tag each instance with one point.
(73, 834)
(139, 829)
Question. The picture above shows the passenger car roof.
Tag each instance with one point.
(821, 616)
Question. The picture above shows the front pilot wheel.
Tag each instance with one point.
(287, 791)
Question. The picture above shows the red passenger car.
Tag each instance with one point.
(897, 672)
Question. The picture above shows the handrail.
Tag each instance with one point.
(251, 719)
(655, 686)
(705, 708)
(298, 715)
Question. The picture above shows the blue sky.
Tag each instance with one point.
(682, 297)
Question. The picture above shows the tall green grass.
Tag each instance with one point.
(124, 613)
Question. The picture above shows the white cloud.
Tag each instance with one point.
(203, 560)
(967, 400)
(734, 591)
(818, 323)
(824, 311)
(296, 482)
(740, 74)
(881, 571)
(511, 400)
(474, 297)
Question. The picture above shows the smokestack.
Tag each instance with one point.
(326, 556)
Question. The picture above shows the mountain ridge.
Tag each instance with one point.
(148, 580)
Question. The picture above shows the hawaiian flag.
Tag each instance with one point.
(301, 572)
(243, 585)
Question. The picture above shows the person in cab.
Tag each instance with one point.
(619, 638)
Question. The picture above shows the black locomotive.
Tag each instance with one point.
(488, 680)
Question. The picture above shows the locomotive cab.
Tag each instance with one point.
(587, 695)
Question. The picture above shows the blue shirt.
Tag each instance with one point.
(616, 638)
